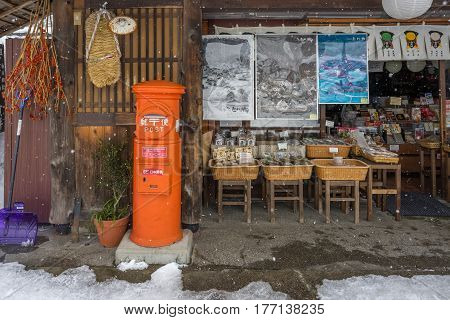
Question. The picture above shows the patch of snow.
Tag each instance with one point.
(132, 265)
(80, 284)
(371, 287)
(27, 243)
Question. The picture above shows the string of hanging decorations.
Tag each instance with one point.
(36, 75)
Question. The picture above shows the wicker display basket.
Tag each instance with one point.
(241, 172)
(300, 172)
(323, 151)
(351, 170)
(429, 144)
(380, 159)
(357, 151)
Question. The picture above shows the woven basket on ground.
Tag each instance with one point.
(290, 173)
(232, 173)
(351, 170)
(102, 50)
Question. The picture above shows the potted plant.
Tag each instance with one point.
(112, 220)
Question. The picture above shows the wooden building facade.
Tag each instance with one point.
(165, 45)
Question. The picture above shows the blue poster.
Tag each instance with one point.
(343, 69)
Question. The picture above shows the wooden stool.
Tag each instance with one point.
(293, 193)
(346, 198)
(242, 198)
(432, 169)
(379, 186)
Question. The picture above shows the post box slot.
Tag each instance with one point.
(154, 180)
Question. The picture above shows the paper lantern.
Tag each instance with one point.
(393, 66)
(406, 9)
(416, 65)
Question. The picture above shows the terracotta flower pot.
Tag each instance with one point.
(110, 233)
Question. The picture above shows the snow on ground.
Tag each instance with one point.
(80, 284)
(429, 287)
(132, 265)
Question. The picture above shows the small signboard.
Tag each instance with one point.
(154, 152)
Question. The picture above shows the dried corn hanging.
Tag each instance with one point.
(36, 73)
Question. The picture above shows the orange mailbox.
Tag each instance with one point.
(157, 164)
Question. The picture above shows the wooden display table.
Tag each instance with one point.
(379, 186)
(347, 176)
(241, 196)
(432, 153)
(292, 191)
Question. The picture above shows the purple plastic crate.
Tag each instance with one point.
(17, 227)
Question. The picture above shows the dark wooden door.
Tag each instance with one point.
(33, 165)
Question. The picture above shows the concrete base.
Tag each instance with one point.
(179, 252)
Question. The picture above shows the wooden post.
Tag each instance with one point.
(192, 115)
(62, 157)
(443, 127)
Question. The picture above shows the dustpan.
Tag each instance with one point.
(16, 225)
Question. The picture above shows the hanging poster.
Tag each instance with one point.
(228, 77)
(371, 43)
(286, 77)
(412, 40)
(436, 42)
(343, 69)
(388, 43)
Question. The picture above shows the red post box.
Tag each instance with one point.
(157, 164)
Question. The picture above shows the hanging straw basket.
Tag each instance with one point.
(102, 50)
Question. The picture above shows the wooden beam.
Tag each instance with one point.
(12, 5)
(62, 157)
(16, 8)
(124, 4)
(301, 4)
(192, 114)
(14, 29)
(371, 21)
(443, 125)
(89, 119)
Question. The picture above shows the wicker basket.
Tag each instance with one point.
(447, 148)
(381, 159)
(429, 144)
(241, 172)
(301, 172)
(351, 170)
(323, 151)
(356, 150)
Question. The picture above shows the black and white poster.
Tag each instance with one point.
(228, 77)
(286, 77)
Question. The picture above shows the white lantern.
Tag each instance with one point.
(393, 66)
(406, 9)
(416, 65)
